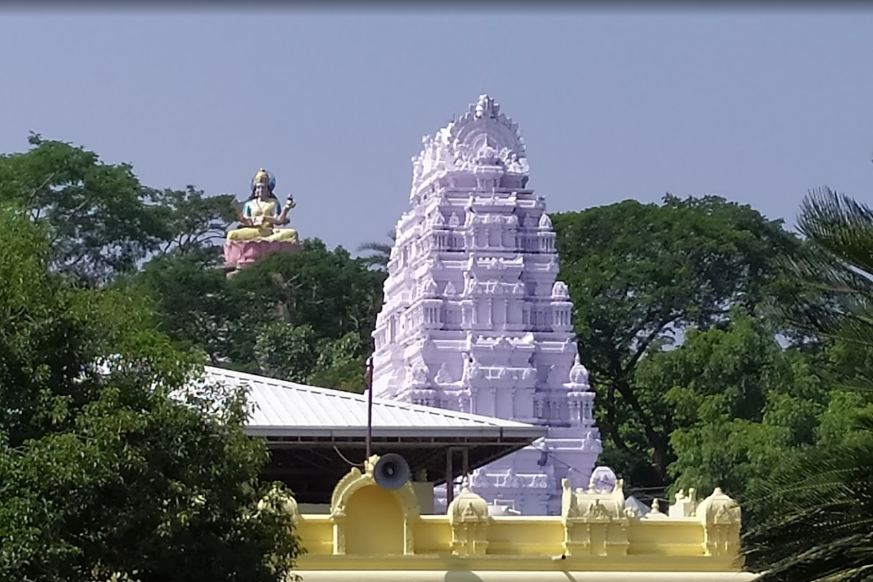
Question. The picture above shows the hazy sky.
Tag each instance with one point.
(756, 107)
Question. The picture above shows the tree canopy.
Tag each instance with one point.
(640, 276)
(108, 466)
(294, 317)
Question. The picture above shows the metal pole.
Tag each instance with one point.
(450, 482)
(369, 388)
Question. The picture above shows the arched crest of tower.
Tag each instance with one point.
(482, 137)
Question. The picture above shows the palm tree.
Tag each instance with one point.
(379, 253)
(819, 526)
(815, 522)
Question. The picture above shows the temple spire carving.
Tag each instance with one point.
(472, 295)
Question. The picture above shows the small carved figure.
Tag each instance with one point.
(419, 374)
(443, 376)
(471, 367)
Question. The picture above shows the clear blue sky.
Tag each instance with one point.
(756, 107)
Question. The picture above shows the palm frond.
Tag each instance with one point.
(841, 225)
(815, 517)
(820, 520)
(834, 269)
(379, 253)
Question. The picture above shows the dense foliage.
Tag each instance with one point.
(102, 473)
(643, 275)
(815, 516)
(305, 317)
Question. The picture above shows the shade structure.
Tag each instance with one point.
(315, 434)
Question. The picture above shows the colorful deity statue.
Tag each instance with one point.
(260, 215)
(260, 218)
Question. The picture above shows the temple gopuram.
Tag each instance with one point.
(474, 318)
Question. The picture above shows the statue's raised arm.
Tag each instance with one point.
(259, 218)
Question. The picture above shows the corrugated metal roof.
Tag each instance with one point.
(289, 409)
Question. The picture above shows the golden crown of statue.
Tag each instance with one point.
(266, 178)
(262, 177)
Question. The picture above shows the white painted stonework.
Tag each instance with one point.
(474, 319)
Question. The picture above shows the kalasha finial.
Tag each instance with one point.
(486, 107)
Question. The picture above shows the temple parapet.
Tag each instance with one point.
(376, 530)
(595, 520)
(721, 518)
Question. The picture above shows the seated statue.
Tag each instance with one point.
(260, 215)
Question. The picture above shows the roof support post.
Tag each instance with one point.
(369, 387)
(450, 481)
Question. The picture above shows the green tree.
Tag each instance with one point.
(109, 465)
(732, 402)
(99, 218)
(194, 223)
(329, 291)
(196, 307)
(815, 516)
(297, 354)
(280, 317)
(641, 274)
(287, 352)
(341, 364)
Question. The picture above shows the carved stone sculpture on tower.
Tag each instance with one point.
(259, 219)
(472, 304)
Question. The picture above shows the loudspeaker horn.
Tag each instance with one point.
(391, 471)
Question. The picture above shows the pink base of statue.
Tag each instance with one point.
(241, 254)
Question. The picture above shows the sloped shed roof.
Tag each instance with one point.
(287, 408)
(314, 434)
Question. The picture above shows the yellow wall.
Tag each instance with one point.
(522, 576)
(374, 515)
(376, 534)
(516, 536)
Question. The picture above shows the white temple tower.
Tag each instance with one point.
(474, 319)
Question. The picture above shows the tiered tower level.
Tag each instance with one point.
(474, 319)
